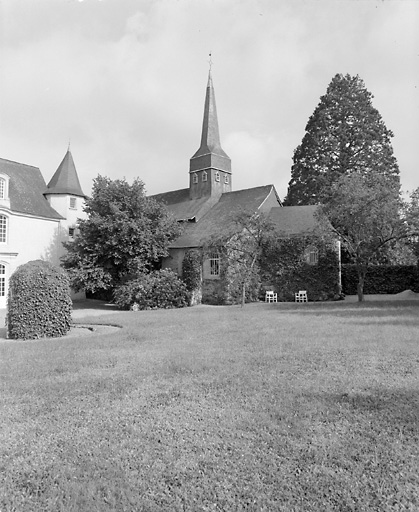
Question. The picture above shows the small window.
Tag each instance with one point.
(3, 229)
(312, 256)
(217, 176)
(73, 203)
(226, 178)
(2, 188)
(214, 264)
(204, 176)
(195, 178)
(71, 232)
(2, 280)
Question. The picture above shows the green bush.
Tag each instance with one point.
(39, 302)
(158, 289)
(381, 279)
(192, 269)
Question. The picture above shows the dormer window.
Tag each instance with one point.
(4, 190)
(204, 176)
(217, 176)
(195, 178)
(226, 178)
(73, 203)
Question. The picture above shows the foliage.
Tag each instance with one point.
(365, 213)
(39, 303)
(286, 269)
(240, 248)
(125, 233)
(344, 135)
(381, 279)
(153, 290)
(192, 269)
(279, 408)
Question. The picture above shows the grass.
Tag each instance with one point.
(308, 407)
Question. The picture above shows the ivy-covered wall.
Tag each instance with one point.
(285, 268)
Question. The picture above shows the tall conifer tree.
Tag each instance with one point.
(345, 135)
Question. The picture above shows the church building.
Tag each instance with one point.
(36, 218)
(208, 205)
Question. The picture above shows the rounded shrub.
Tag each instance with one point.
(39, 303)
(158, 289)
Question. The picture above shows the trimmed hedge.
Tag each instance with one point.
(381, 279)
(158, 289)
(39, 302)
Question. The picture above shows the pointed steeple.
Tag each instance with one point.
(65, 179)
(210, 164)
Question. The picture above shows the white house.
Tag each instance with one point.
(36, 218)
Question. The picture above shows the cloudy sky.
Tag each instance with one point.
(125, 81)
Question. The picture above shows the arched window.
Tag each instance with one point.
(204, 176)
(3, 229)
(195, 178)
(217, 176)
(226, 178)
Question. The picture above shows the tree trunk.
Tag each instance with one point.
(360, 286)
(243, 295)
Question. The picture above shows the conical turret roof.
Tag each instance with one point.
(65, 179)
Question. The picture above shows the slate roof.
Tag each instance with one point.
(183, 208)
(26, 187)
(294, 220)
(65, 179)
(220, 216)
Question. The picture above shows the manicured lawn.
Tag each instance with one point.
(309, 407)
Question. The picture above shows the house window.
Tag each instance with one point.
(217, 176)
(226, 178)
(2, 188)
(3, 229)
(73, 203)
(2, 280)
(195, 178)
(204, 176)
(312, 256)
(71, 232)
(214, 261)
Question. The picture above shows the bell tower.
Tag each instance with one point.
(210, 166)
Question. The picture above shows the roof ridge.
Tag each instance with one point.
(18, 163)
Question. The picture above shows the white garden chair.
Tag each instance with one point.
(301, 296)
(271, 296)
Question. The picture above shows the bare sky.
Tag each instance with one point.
(125, 81)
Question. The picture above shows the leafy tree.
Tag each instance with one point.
(365, 213)
(125, 233)
(345, 135)
(240, 248)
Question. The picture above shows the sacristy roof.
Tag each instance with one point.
(294, 220)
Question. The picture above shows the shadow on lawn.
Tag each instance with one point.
(405, 308)
(393, 410)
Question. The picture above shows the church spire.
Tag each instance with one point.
(210, 164)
